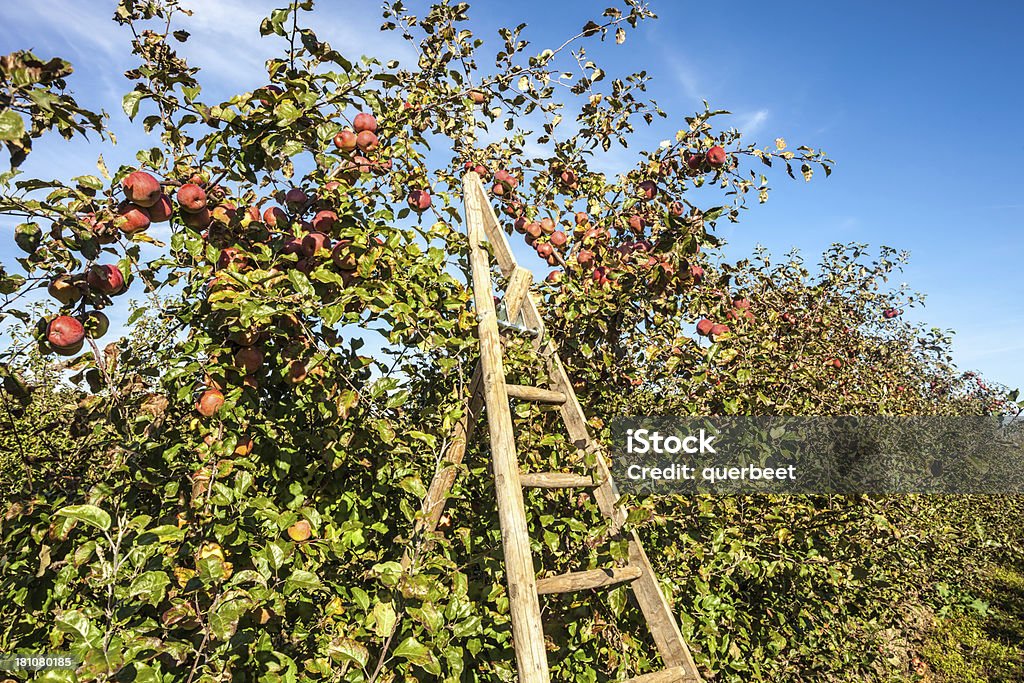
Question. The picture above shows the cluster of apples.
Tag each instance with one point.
(593, 253)
(144, 203)
(701, 162)
(707, 327)
(544, 236)
(740, 310)
(305, 232)
(361, 140)
(891, 313)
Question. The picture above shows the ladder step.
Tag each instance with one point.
(556, 480)
(592, 578)
(535, 394)
(676, 674)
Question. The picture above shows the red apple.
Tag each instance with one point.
(191, 198)
(65, 332)
(534, 229)
(477, 96)
(275, 217)
(64, 290)
(365, 122)
(704, 327)
(695, 161)
(585, 257)
(343, 256)
(582, 218)
(133, 218)
(324, 221)
(558, 238)
(210, 402)
(269, 90)
(718, 330)
(141, 188)
(637, 223)
(545, 250)
(345, 140)
(648, 189)
(676, 209)
(554, 277)
(314, 242)
(161, 211)
(716, 157)
(96, 324)
(198, 219)
(547, 225)
(295, 196)
(107, 279)
(249, 359)
(419, 200)
(367, 141)
(296, 372)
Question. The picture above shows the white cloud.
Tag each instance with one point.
(751, 124)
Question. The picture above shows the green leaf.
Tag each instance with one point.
(361, 597)
(12, 127)
(90, 514)
(301, 284)
(130, 103)
(384, 618)
(151, 586)
(28, 236)
(80, 628)
(413, 650)
(302, 580)
(225, 615)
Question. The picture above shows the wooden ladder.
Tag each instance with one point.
(489, 387)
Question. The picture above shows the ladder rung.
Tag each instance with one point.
(676, 674)
(556, 480)
(592, 578)
(535, 394)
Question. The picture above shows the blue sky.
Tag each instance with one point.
(914, 101)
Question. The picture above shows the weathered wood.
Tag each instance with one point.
(492, 230)
(676, 674)
(437, 495)
(555, 480)
(535, 394)
(524, 605)
(517, 291)
(586, 580)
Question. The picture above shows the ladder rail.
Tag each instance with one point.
(524, 602)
